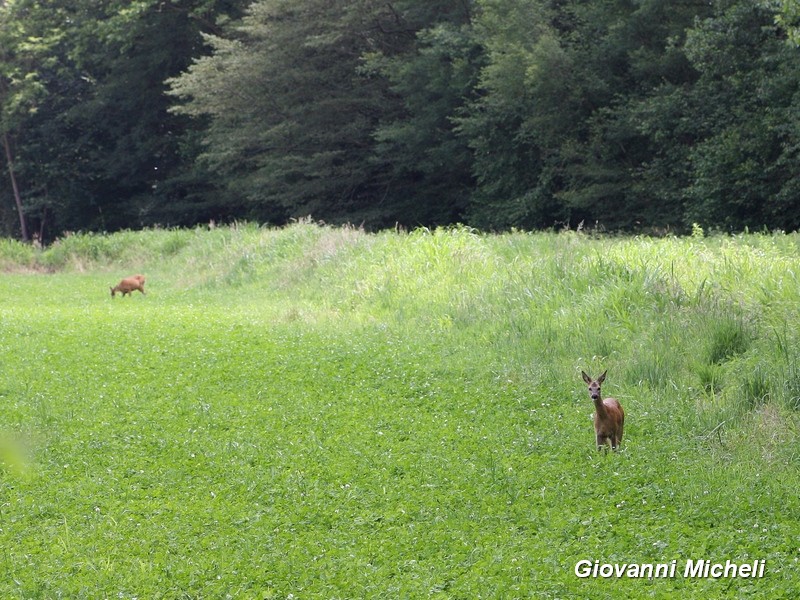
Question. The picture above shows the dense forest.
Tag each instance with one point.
(634, 115)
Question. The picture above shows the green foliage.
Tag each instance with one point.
(15, 254)
(788, 17)
(739, 161)
(728, 335)
(526, 67)
(82, 87)
(290, 119)
(429, 163)
(637, 116)
(88, 251)
(322, 412)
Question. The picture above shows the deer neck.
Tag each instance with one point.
(599, 406)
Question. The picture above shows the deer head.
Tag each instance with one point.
(594, 384)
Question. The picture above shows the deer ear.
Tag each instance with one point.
(586, 378)
(602, 377)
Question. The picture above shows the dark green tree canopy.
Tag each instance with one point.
(632, 114)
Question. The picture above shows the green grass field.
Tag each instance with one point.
(316, 412)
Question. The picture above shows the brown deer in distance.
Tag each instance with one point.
(608, 414)
(129, 285)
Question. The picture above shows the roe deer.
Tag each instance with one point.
(608, 414)
(129, 285)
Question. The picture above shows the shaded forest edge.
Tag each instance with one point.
(535, 114)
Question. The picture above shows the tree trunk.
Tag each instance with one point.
(17, 199)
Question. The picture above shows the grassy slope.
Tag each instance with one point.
(326, 413)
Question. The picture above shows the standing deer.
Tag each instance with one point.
(129, 285)
(608, 414)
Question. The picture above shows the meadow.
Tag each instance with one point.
(319, 412)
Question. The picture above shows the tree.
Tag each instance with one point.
(555, 131)
(433, 75)
(21, 50)
(503, 113)
(744, 162)
(788, 17)
(100, 150)
(620, 174)
(290, 118)
(526, 101)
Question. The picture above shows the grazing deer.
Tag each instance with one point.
(608, 414)
(129, 285)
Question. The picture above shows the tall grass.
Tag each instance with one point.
(714, 314)
(322, 412)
